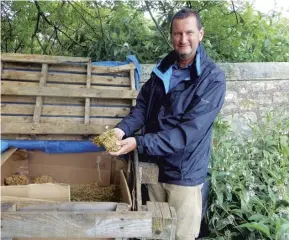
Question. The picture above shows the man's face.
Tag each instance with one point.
(186, 36)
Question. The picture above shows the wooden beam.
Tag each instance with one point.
(47, 128)
(79, 68)
(87, 100)
(149, 173)
(33, 58)
(76, 224)
(164, 222)
(11, 88)
(39, 100)
(7, 154)
(47, 191)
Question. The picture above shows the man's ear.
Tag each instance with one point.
(201, 34)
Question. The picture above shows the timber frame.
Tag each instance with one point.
(68, 98)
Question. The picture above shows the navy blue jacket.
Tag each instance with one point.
(177, 123)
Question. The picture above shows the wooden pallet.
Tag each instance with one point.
(48, 97)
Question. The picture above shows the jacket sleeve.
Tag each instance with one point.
(136, 118)
(196, 121)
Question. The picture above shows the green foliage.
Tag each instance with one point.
(249, 196)
(111, 30)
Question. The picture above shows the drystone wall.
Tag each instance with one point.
(253, 89)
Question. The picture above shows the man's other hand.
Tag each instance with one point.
(119, 133)
(127, 145)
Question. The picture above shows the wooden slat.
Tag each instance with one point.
(61, 120)
(38, 103)
(47, 191)
(87, 100)
(46, 128)
(49, 110)
(32, 58)
(123, 69)
(64, 77)
(25, 89)
(163, 223)
(76, 224)
(67, 101)
(70, 206)
(132, 84)
(7, 154)
(149, 173)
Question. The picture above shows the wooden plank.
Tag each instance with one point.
(47, 191)
(38, 103)
(50, 110)
(87, 100)
(174, 223)
(25, 89)
(46, 128)
(71, 206)
(149, 173)
(125, 193)
(162, 220)
(64, 77)
(7, 154)
(95, 102)
(138, 181)
(132, 84)
(61, 120)
(76, 224)
(67, 67)
(33, 58)
(7, 207)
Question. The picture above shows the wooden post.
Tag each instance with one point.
(138, 182)
(39, 100)
(87, 100)
(132, 84)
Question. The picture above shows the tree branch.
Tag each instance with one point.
(158, 27)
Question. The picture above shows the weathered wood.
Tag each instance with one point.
(174, 223)
(149, 173)
(38, 103)
(71, 206)
(132, 84)
(25, 89)
(52, 110)
(8, 206)
(125, 193)
(47, 191)
(163, 223)
(33, 58)
(138, 181)
(75, 67)
(76, 224)
(87, 100)
(66, 101)
(64, 77)
(7, 154)
(62, 120)
(46, 128)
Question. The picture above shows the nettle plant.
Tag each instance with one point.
(249, 196)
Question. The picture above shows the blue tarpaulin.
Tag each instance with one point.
(53, 146)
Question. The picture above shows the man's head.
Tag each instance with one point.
(186, 33)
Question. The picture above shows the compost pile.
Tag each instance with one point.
(17, 179)
(94, 193)
(107, 140)
(43, 179)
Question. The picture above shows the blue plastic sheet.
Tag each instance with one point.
(52, 146)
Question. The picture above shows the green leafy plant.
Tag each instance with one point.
(249, 196)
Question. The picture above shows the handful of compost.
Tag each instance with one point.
(107, 140)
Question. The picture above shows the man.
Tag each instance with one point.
(176, 108)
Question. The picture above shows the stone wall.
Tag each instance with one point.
(253, 89)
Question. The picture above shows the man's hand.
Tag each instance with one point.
(127, 145)
(119, 133)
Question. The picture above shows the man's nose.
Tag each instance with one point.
(183, 38)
